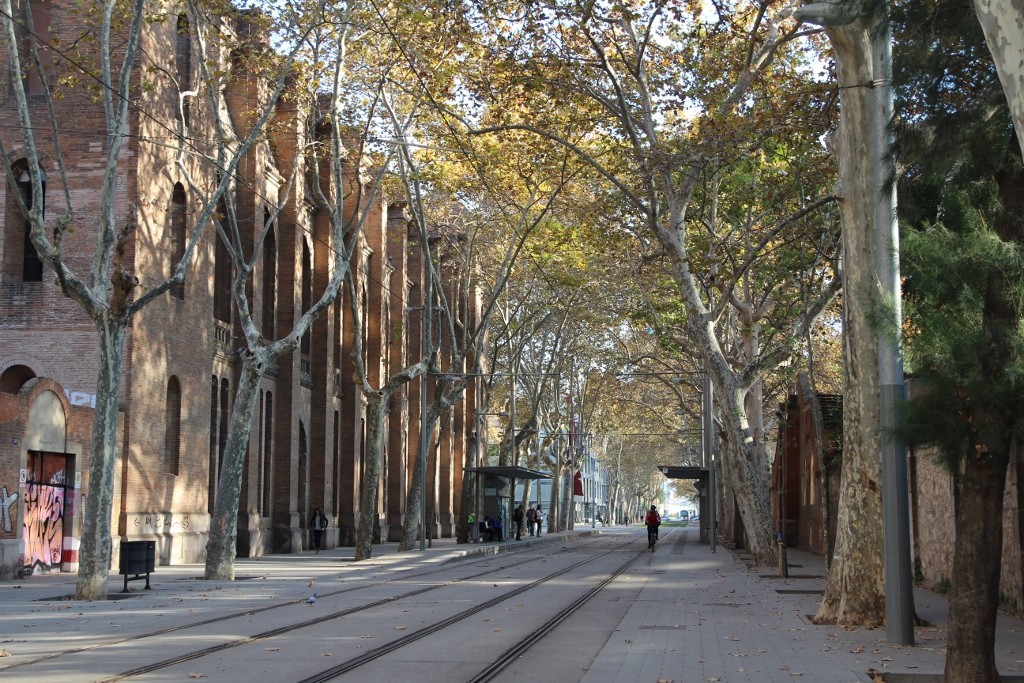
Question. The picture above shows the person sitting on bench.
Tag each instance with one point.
(488, 529)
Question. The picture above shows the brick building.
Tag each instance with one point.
(181, 357)
(798, 501)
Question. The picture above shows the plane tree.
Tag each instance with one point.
(109, 65)
(481, 201)
(1003, 26)
(316, 150)
(662, 126)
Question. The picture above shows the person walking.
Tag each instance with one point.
(517, 519)
(318, 523)
(652, 519)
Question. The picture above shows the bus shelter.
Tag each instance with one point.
(699, 476)
(494, 488)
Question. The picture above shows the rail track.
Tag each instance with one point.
(446, 604)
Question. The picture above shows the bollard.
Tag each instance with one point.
(783, 565)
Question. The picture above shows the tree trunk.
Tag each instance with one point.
(977, 550)
(555, 504)
(470, 482)
(855, 591)
(1003, 25)
(94, 552)
(746, 474)
(376, 410)
(221, 547)
(414, 500)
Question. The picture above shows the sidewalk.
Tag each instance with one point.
(719, 619)
(698, 615)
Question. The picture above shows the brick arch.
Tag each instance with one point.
(15, 377)
(34, 388)
(47, 161)
(38, 367)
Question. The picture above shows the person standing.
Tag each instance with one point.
(318, 523)
(531, 519)
(517, 519)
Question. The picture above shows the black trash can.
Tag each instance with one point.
(137, 558)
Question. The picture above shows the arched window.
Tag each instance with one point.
(336, 462)
(268, 452)
(220, 411)
(172, 427)
(214, 440)
(307, 291)
(21, 260)
(183, 63)
(269, 278)
(179, 235)
(222, 268)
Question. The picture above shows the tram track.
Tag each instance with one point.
(372, 655)
(284, 635)
(433, 629)
(248, 613)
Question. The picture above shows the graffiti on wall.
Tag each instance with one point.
(45, 492)
(7, 501)
(157, 523)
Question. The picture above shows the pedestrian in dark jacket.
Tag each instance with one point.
(318, 524)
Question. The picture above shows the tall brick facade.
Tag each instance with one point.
(181, 359)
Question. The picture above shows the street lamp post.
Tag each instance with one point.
(708, 419)
(428, 306)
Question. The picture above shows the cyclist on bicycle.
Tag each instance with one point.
(652, 519)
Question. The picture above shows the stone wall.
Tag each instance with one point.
(934, 534)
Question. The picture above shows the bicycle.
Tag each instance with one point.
(652, 536)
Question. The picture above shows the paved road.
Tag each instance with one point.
(679, 614)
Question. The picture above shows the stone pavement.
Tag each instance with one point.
(699, 616)
(719, 619)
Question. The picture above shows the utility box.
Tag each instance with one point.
(137, 558)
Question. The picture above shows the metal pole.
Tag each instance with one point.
(709, 454)
(899, 597)
(513, 450)
(428, 304)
